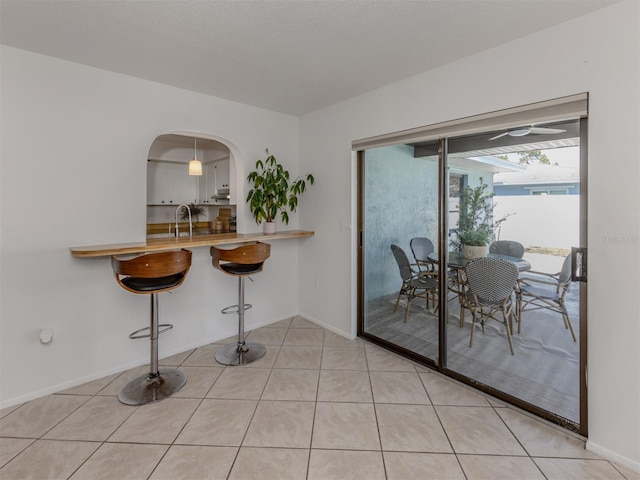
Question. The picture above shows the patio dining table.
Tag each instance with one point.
(457, 262)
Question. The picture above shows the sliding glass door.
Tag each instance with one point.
(399, 197)
(534, 197)
(414, 293)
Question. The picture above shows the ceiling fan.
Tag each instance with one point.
(522, 131)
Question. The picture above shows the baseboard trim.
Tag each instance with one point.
(613, 457)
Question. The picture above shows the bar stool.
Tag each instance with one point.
(241, 262)
(151, 274)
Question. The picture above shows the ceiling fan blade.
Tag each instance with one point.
(498, 136)
(543, 130)
(519, 132)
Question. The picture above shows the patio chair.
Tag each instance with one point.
(414, 283)
(546, 290)
(422, 248)
(491, 284)
(507, 247)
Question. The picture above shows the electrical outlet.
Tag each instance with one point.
(46, 336)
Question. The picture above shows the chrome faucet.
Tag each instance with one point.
(190, 223)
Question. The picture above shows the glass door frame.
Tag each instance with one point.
(440, 364)
(360, 309)
(443, 240)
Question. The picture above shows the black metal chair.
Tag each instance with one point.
(546, 290)
(414, 283)
(422, 247)
(509, 248)
(491, 285)
(152, 274)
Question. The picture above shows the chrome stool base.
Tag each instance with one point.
(235, 354)
(147, 388)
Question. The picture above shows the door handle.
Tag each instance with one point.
(578, 264)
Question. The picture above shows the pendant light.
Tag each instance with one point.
(195, 166)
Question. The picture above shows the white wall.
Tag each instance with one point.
(74, 160)
(540, 220)
(599, 54)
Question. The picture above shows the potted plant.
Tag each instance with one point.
(274, 192)
(476, 223)
(196, 211)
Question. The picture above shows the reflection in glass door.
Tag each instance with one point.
(399, 198)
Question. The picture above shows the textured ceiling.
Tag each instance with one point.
(291, 56)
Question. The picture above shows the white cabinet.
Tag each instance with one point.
(211, 180)
(222, 174)
(202, 185)
(207, 184)
(170, 184)
(215, 177)
(183, 188)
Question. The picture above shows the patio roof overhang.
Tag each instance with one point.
(485, 144)
(485, 162)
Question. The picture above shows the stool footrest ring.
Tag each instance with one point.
(228, 309)
(161, 329)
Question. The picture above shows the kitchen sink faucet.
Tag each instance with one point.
(190, 223)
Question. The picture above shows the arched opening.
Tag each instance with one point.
(211, 197)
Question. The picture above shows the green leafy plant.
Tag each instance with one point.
(273, 191)
(476, 223)
(474, 237)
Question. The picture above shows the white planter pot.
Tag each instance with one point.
(472, 251)
(269, 228)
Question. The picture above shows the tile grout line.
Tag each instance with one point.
(375, 413)
(200, 401)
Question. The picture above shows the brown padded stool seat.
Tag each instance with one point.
(240, 262)
(151, 274)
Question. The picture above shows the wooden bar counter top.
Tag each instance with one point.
(171, 243)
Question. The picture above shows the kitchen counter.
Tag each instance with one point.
(172, 243)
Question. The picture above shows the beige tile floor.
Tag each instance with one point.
(315, 407)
